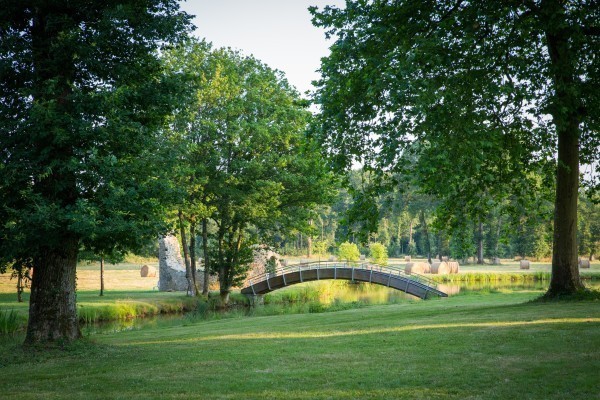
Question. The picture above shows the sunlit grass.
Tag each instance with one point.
(481, 346)
(406, 328)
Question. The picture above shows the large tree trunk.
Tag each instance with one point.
(206, 258)
(186, 255)
(565, 114)
(52, 306)
(565, 269)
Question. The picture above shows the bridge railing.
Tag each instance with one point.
(393, 270)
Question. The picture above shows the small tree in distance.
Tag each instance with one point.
(378, 253)
(348, 251)
(320, 247)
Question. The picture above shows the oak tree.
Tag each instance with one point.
(497, 88)
(82, 101)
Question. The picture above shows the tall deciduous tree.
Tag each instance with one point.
(81, 103)
(246, 156)
(495, 86)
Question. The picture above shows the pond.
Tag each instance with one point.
(328, 292)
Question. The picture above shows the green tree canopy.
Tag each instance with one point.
(83, 100)
(488, 90)
(247, 162)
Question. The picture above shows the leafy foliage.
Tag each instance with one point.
(348, 251)
(320, 247)
(83, 103)
(246, 161)
(476, 95)
(378, 253)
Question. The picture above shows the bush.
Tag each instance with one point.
(348, 251)
(320, 247)
(378, 253)
(316, 307)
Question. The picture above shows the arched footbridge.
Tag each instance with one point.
(391, 275)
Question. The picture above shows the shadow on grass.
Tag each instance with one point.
(580, 295)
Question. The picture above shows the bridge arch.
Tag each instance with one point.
(391, 276)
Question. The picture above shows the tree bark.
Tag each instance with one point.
(206, 258)
(480, 243)
(565, 114)
(410, 235)
(309, 242)
(222, 273)
(193, 255)
(20, 285)
(101, 276)
(224, 296)
(426, 233)
(497, 243)
(52, 306)
(186, 255)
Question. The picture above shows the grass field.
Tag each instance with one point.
(492, 345)
(486, 344)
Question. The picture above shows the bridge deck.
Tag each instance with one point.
(391, 276)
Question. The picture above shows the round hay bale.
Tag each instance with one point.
(454, 267)
(147, 272)
(362, 257)
(441, 268)
(496, 261)
(407, 258)
(445, 258)
(524, 264)
(417, 268)
(584, 263)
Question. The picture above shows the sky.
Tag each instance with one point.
(277, 32)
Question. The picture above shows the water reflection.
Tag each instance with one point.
(328, 292)
(132, 324)
(331, 292)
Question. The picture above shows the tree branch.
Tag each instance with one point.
(591, 30)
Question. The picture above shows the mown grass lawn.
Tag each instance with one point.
(488, 346)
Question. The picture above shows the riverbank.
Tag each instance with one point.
(91, 308)
(129, 296)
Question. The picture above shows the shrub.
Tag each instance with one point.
(348, 251)
(378, 253)
(320, 247)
